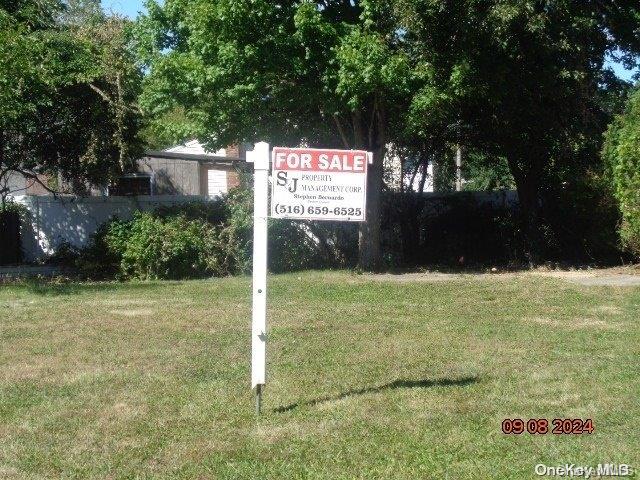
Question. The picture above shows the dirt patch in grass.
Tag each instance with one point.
(611, 310)
(619, 276)
(592, 322)
(543, 321)
(435, 277)
(133, 312)
(126, 302)
(605, 277)
(8, 472)
(574, 323)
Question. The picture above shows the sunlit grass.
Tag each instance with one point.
(366, 378)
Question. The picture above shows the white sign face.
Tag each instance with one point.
(316, 184)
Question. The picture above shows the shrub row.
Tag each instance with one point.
(622, 151)
(203, 239)
(199, 239)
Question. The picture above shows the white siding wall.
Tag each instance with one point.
(216, 183)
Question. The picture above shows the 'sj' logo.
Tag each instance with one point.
(292, 185)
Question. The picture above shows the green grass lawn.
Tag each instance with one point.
(366, 378)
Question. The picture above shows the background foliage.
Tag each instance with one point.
(68, 93)
(622, 150)
(199, 239)
(214, 238)
(521, 85)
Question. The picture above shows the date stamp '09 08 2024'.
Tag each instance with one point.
(542, 426)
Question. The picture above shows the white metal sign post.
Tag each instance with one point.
(306, 184)
(260, 158)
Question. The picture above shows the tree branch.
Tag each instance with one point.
(341, 131)
(374, 110)
(132, 108)
(100, 92)
(34, 177)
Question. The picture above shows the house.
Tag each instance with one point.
(171, 177)
(187, 169)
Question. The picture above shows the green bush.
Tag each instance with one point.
(214, 211)
(292, 245)
(450, 230)
(199, 239)
(162, 248)
(236, 233)
(9, 206)
(150, 247)
(622, 151)
(572, 234)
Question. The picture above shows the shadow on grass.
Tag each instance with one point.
(445, 382)
(65, 287)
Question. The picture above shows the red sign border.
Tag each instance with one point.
(368, 155)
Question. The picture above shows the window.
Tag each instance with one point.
(131, 185)
(216, 183)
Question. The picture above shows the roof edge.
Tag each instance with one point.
(192, 156)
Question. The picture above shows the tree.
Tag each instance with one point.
(622, 151)
(67, 96)
(523, 80)
(320, 73)
(81, 12)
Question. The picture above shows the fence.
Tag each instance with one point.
(458, 228)
(9, 238)
(411, 222)
(73, 220)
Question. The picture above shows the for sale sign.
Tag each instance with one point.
(317, 184)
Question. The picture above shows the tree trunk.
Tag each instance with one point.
(4, 189)
(369, 238)
(425, 172)
(458, 168)
(528, 187)
(372, 135)
(369, 134)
